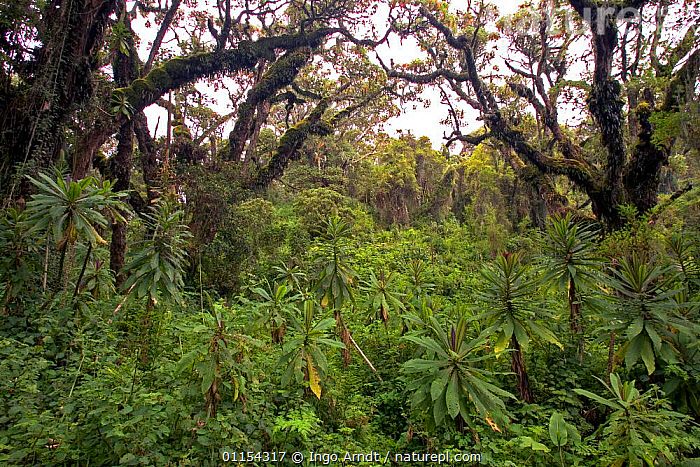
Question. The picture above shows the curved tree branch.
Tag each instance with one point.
(280, 74)
(293, 139)
(158, 41)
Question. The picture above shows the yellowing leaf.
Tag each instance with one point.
(492, 424)
(313, 378)
(501, 344)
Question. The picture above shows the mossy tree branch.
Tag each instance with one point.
(290, 143)
(280, 74)
(293, 139)
(179, 71)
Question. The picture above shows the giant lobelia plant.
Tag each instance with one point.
(510, 305)
(72, 211)
(448, 379)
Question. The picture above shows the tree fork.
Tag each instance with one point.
(281, 73)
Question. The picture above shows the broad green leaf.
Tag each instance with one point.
(635, 328)
(207, 377)
(545, 334)
(428, 343)
(440, 407)
(521, 335)
(452, 396)
(557, 430)
(648, 356)
(186, 361)
(634, 349)
(325, 324)
(528, 442)
(508, 328)
(437, 388)
(654, 336)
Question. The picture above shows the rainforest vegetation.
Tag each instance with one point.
(217, 244)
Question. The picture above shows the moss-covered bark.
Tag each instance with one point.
(681, 83)
(294, 138)
(280, 74)
(179, 71)
(121, 168)
(290, 142)
(147, 150)
(642, 174)
(56, 81)
(125, 67)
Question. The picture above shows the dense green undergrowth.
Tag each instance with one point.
(567, 348)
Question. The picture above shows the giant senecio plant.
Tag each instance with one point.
(303, 358)
(510, 305)
(571, 267)
(157, 262)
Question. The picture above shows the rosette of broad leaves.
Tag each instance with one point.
(303, 358)
(448, 378)
(157, 262)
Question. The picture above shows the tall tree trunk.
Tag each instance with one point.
(125, 70)
(576, 318)
(149, 162)
(121, 168)
(82, 270)
(517, 365)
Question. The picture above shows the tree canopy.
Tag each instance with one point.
(78, 76)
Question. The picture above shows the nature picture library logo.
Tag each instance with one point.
(557, 21)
